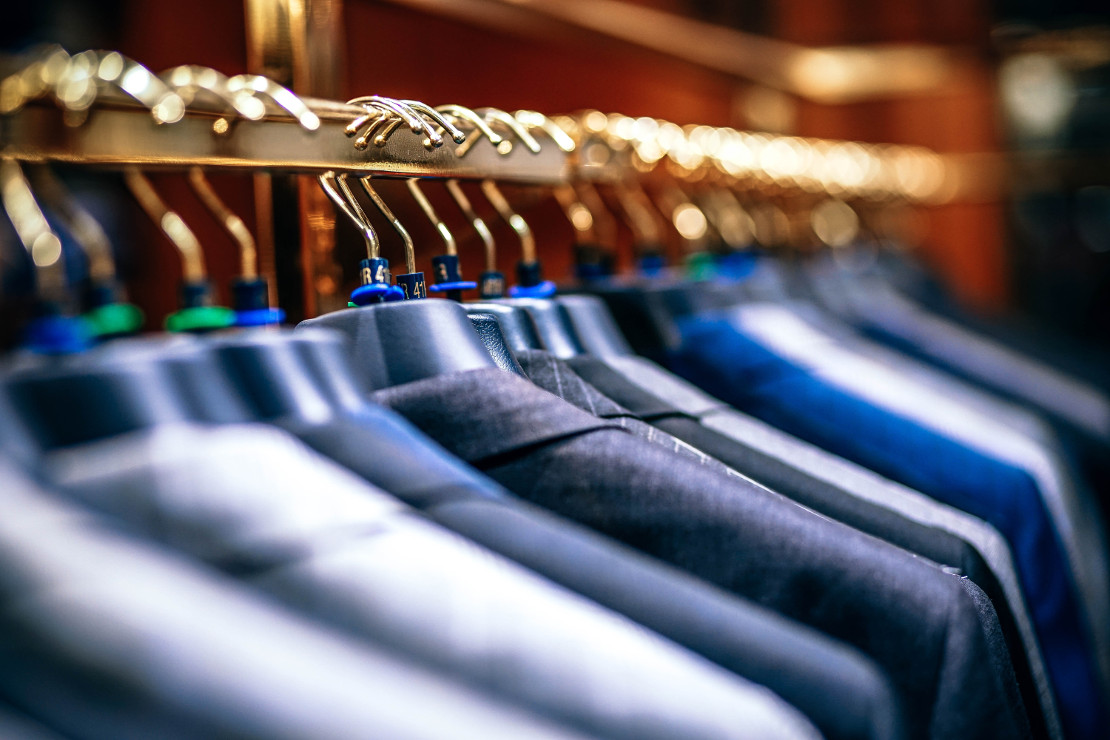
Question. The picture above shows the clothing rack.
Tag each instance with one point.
(101, 109)
(116, 129)
(753, 407)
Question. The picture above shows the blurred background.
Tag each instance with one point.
(1015, 94)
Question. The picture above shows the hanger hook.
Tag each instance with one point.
(514, 219)
(231, 223)
(454, 131)
(481, 128)
(638, 215)
(282, 97)
(410, 250)
(415, 121)
(476, 221)
(34, 79)
(604, 223)
(339, 192)
(356, 125)
(445, 267)
(80, 83)
(140, 83)
(576, 212)
(530, 282)
(410, 111)
(432, 139)
(500, 116)
(426, 206)
(376, 117)
(171, 224)
(534, 119)
(416, 124)
(389, 114)
(189, 79)
(685, 216)
(33, 230)
(86, 230)
(728, 217)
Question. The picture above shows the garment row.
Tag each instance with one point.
(785, 501)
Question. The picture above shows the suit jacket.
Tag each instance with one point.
(1089, 363)
(105, 636)
(958, 682)
(647, 315)
(257, 504)
(982, 418)
(884, 314)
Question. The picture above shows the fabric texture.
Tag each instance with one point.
(932, 631)
(16, 726)
(556, 377)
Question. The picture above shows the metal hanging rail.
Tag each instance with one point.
(117, 136)
(138, 119)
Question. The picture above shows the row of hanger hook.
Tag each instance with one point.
(385, 115)
(77, 82)
(849, 169)
(640, 146)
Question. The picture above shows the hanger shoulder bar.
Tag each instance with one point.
(120, 135)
